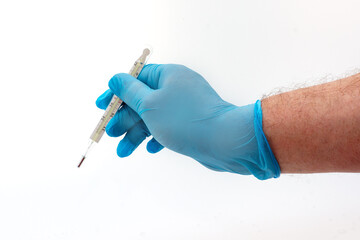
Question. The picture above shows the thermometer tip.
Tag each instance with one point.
(83, 158)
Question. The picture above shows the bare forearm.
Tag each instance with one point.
(316, 129)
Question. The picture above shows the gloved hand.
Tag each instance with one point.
(183, 113)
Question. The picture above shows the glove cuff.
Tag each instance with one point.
(269, 166)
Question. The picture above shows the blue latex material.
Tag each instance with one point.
(182, 112)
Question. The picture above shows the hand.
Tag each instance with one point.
(182, 112)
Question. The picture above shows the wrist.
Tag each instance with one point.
(239, 145)
(268, 166)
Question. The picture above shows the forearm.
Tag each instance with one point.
(316, 129)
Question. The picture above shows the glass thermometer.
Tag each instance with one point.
(114, 105)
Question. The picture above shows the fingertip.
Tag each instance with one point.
(154, 146)
(100, 103)
(110, 131)
(125, 148)
(104, 99)
(115, 81)
(151, 149)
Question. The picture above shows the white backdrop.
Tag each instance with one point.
(56, 57)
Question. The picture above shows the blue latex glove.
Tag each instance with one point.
(183, 113)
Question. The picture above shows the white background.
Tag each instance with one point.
(56, 57)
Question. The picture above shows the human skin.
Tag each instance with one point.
(315, 129)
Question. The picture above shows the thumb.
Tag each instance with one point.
(129, 89)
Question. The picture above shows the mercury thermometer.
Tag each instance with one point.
(114, 105)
